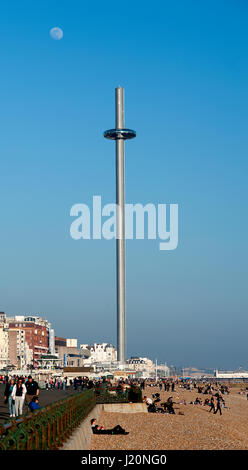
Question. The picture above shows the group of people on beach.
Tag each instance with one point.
(154, 404)
(25, 390)
(153, 407)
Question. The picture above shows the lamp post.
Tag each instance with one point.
(120, 134)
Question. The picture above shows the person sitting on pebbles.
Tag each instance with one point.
(147, 400)
(168, 406)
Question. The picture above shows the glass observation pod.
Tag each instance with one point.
(114, 134)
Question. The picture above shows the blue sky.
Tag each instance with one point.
(184, 67)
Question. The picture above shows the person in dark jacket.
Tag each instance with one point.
(34, 404)
(32, 389)
(218, 407)
(99, 429)
(212, 407)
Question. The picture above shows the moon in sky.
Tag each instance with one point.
(56, 33)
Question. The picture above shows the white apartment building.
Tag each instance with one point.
(146, 367)
(141, 364)
(24, 353)
(4, 341)
(104, 352)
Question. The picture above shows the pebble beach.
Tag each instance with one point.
(191, 428)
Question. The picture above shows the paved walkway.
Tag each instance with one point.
(45, 398)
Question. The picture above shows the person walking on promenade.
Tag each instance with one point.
(212, 407)
(218, 406)
(75, 383)
(32, 389)
(8, 398)
(18, 396)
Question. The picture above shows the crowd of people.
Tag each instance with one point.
(20, 391)
(23, 390)
(54, 383)
(63, 383)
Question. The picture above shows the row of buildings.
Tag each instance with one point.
(29, 342)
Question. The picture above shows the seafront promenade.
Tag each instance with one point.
(62, 413)
(45, 398)
(191, 427)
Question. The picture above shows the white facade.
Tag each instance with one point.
(24, 353)
(231, 375)
(4, 343)
(51, 340)
(141, 364)
(104, 352)
(29, 318)
(71, 343)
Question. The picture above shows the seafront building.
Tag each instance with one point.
(239, 374)
(100, 353)
(4, 341)
(29, 339)
(141, 364)
(23, 340)
(68, 352)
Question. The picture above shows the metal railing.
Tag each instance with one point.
(48, 428)
(104, 395)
